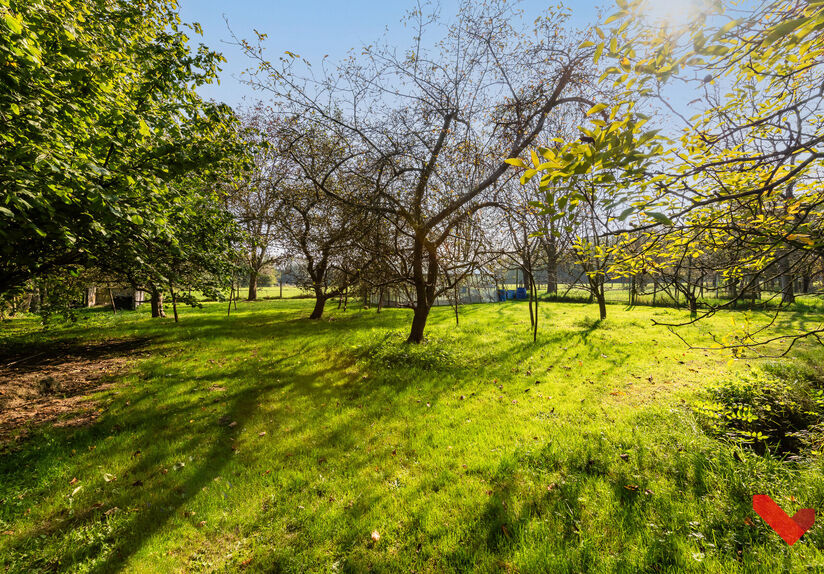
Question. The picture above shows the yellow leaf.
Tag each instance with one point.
(516, 161)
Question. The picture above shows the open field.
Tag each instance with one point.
(267, 442)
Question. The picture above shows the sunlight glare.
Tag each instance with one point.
(672, 12)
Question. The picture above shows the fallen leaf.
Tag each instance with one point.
(201, 524)
(73, 481)
(632, 487)
(109, 477)
(375, 536)
(624, 457)
(262, 433)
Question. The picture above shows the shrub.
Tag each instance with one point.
(779, 407)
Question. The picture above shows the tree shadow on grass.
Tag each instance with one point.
(148, 491)
(140, 427)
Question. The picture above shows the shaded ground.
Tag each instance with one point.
(266, 442)
(50, 383)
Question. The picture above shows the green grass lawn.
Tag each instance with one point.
(267, 442)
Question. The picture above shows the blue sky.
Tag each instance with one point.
(314, 28)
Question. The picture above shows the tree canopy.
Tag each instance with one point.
(100, 124)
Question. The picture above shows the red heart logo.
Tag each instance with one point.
(788, 528)
(804, 518)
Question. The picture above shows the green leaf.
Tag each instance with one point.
(13, 23)
(659, 218)
(784, 29)
(516, 161)
(143, 128)
(626, 213)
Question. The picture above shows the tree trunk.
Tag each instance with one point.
(534, 293)
(732, 288)
(111, 299)
(253, 277)
(418, 322)
(42, 294)
(787, 291)
(457, 324)
(528, 282)
(424, 289)
(380, 299)
(692, 302)
(598, 291)
(34, 305)
(157, 303)
(174, 299)
(320, 303)
(552, 273)
(806, 281)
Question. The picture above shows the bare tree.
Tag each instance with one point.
(326, 234)
(430, 126)
(256, 195)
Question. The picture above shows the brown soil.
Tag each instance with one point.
(51, 383)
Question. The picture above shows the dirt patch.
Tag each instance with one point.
(50, 383)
